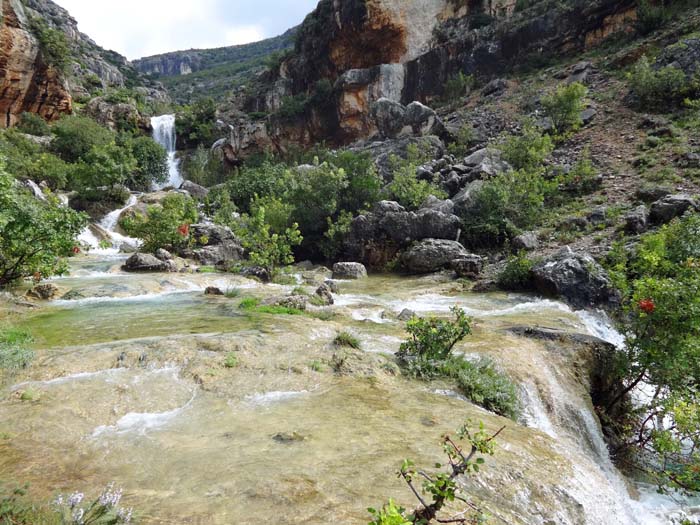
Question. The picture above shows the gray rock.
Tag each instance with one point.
(637, 220)
(495, 87)
(432, 255)
(465, 198)
(527, 241)
(652, 193)
(213, 290)
(587, 116)
(216, 245)
(423, 120)
(689, 160)
(406, 315)
(486, 162)
(145, 262)
(415, 226)
(197, 191)
(325, 293)
(384, 207)
(332, 286)
(44, 292)
(383, 151)
(257, 272)
(575, 277)
(443, 206)
(598, 215)
(163, 255)
(349, 270)
(390, 117)
(469, 266)
(668, 208)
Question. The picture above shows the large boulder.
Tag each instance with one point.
(145, 262)
(349, 270)
(44, 292)
(469, 266)
(197, 191)
(383, 151)
(432, 255)
(575, 277)
(637, 220)
(423, 120)
(526, 241)
(668, 208)
(485, 163)
(215, 245)
(389, 117)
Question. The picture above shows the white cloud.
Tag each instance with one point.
(138, 28)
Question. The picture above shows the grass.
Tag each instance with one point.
(207, 269)
(232, 293)
(347, 339)
(316, 366)
(14, 354)
(231, 360)
(253, 304)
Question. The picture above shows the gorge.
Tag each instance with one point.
(231, 279)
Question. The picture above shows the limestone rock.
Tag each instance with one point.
(469, 266)
(44, 292)
(145, 262)
(637, 220)
(526, 241)
(213, 290)
(349, 270)
(670, 207)
(197, 191)
(432, 255)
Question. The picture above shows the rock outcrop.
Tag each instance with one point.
(432, 255)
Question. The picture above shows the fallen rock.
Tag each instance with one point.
(257, 272)
(349, 270)
(575, 277)
(637, 220)
(145, 262)
(163, 255)
(325, 293)
(295, 302)
(432, 255)
(469, 266)
(526, 241)
(406, 315)
(390, 117)
(213, 290)
(495, 87)
(332, 286)
(197, 191)
(44, 292)
(668, 208)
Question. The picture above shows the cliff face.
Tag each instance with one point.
(27, 83)
(405, 51)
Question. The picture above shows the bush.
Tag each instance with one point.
(50, 169)
(35, 236)
(565, 105)
(485, 386)
(52, 42)
(76, 136)
(268, 179)
(196, 124)
(505, 205)
(528, 150)
(405, 188)
(151, 163)
(517, 273)
(165, 225)
(293, 106)
(432, 338)
(203, 168)
(659, 89)
(106, 165)
(463, 143)
(266, 248)
(458, 86)
(650, 17)
(33, 124)
(582, 179)
(347, 339)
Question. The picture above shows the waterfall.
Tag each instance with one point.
(164, 134)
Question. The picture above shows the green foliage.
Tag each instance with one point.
(335, 235)
(266, 248)
(464, 141)
(293, 106)
(231, 360)
(660, 89)
(516, 275)
(33, 124)
(52, 42)
(76, 136)
(196, 123)
(203, 168)
(485, 386)
(582, 179)
(528, 150)
(347, 339)
(165, 225)
(16, 509)
(650, 16)
(106, 165)
(50, 169)
(103, 510)
(253, 304)
(405, 187)
(458, 86)
(564, 106)
(505, 205)
(14, 351)
(441, 486)
(35, 236)
(660, 280)
(432, 338)
(151, 163)
(268, 179)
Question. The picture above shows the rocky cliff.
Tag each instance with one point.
(30, 31)
(351, 54)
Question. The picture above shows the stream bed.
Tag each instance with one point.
(130, 385)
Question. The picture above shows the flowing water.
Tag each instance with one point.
(129, 385)
(164, 134)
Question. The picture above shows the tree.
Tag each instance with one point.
(75, 137)
(266, 248)
(35, 236)
(564, 106)
(441, 488)
(151, 163)
(52, 42)
(106, 165)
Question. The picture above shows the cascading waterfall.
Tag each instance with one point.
(164, 134)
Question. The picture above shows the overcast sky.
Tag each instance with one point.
(138, 28)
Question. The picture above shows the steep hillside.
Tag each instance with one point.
(189, 75)
(46, 63)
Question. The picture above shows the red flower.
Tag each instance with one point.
(184, 230)
(647, 306)
(76, 250)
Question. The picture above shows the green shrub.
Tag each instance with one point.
(33, 124)
(196, 124)
(564, 106)
(14, 351)
(203, 168)
(293, 106)
(252, 303)
(528, 150)
(231, 360)
(659, 89)
(35, 236)
(463, 143)
(347, 339)
(517, 273)
(405, 188)
(505, 205)
(458, 86)
(335, 235)
(76, 136)
(249, 303)
(582, 179)
(485, 386)
(50, 169)
(268, 179)
(151, 163)
(432, 338)
(650, 17)
(165, 225)
(52, 43)
(266, 248)
(106, 165)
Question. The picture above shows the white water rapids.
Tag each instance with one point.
(165, 135)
